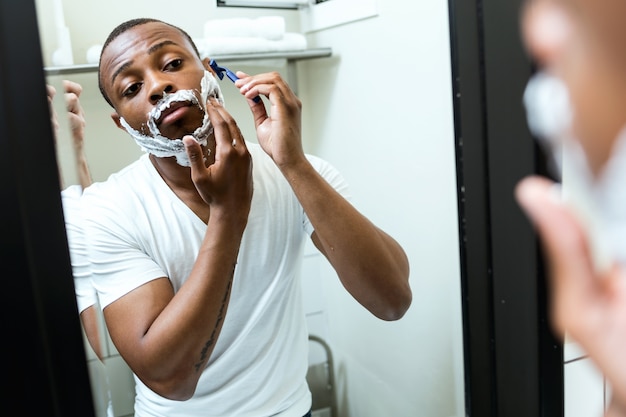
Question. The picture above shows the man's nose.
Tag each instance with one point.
(546, 29)
(159, 89)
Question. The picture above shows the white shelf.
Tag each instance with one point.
(290, 56)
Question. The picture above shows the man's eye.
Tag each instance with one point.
(132, 89)
(174, 64)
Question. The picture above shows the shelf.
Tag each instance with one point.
(289, 56)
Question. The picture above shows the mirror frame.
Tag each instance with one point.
(47, 365)
(513, 361)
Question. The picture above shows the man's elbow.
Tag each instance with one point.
(174, 392)
(396, 308)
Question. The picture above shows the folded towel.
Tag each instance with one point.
(93, 54)
(265, 27)
(226, 45)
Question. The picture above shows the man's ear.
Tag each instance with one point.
(207, 65)
(116, 119)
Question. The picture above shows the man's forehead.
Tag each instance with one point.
(140, 39)
(147, 34)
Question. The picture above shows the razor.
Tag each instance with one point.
(221, 71)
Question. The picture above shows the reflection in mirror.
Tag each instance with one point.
(68, 124)
(400, 165)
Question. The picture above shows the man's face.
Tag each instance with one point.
(582, 43)
(142, 64)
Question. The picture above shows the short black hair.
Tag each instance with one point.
(123, 27)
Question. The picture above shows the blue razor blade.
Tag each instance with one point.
(220, 71)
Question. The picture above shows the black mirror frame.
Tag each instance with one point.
(513, 361)
(47, 369)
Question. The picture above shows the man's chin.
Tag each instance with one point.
(175, 134)
(180, 131)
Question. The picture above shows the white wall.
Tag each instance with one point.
(380, 109)
(585, 390)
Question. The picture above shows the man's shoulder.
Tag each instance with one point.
(125, 177)
(117, 187)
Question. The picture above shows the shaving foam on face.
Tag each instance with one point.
(161, 146)
(600, 201)
(549, 115)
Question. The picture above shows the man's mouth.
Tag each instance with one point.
(170, 108)
(168, 111)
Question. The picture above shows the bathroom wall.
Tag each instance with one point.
(380, 110)
(585, 390)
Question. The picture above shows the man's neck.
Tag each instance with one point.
(174, 175)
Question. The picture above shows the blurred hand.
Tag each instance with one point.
(75, 113)
(51, 92)
(589, 306)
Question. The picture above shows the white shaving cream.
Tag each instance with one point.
(161, 146)
(549, 114)
(599, 201)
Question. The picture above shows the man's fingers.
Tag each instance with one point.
(227, 133)
(72, 87)
(72, 103)
(194, 151)
(564, 242)
(50, 91)
(72, 93)
(563, 237)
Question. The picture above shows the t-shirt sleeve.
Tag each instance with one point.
(86, 295)
(118, 263)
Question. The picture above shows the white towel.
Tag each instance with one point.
(93, 54)
(265, 27)
(226, 45)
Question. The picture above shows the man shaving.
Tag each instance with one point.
(195, 247)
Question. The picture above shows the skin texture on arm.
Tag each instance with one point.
(76, 118)
(89, 320)
(371, 265)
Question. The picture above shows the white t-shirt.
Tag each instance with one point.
(85, 293)
(139, 230)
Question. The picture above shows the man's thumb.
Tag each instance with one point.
(194, 152)
(564, 240)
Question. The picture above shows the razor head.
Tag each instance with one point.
(218, 70)
(221, 71)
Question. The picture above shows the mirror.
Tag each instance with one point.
(394, 143)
